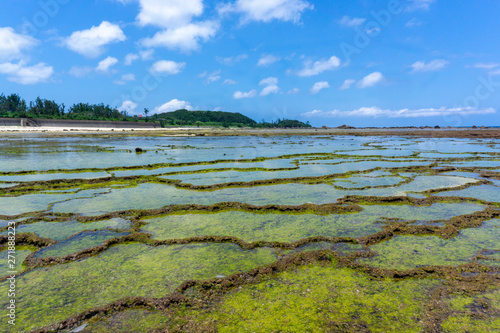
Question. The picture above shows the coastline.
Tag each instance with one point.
(483, 133)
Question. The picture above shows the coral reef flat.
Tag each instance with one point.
(245, 230)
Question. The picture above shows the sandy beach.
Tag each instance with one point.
(484, 133)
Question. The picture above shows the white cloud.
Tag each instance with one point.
(483, 65)
(184, 38)
(266, 60)
(128, 106)
(167, 67)
(173, 105)
(106, 64)
(414, 5)
(230, 61)
(267, 10)
(370, 80)
(211, 77)
(319, 86)
(271, 84)
(91, 42)
(317, 67)
(347, 84)
(240, 94)
(80, 71)
(268, 81)
(293, 91)
(124, 79)
(377, 112)
(434, 65)
(272, 89)
(128, 77)
(13, 44)
(229, 81)
(130, 58)
(144, 55)
(168, 13)
(22, 74)
(352, 22)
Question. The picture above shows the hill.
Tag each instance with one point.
(207, 118)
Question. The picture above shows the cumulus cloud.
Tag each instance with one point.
(229, 82)
(173, 105)
(249, 94)
(23, 74)
(377, 112)
(272, 89)
(13, 44)
(167, 67)
(370, 80)
(184, 38)
(175, 17)
(144, 55)
(317, 67)
(91, 42)
(293, 91)
(130, 58)
(268, 59)
(434, 65)
(318, 86)
(168, 13)
(105, 64)
(266, 10)
(128, 106)
(347, 84)
(351, 22)
(268, 81)
(271, 86)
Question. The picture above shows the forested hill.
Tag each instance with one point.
(13, 106)
(185, 117)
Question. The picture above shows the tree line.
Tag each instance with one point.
(13, 106)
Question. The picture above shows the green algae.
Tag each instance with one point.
(259, 227)
(406, 167)
(406, 252)
(319, 299)
(51, 294)
(77, 243)
(469, 324)
(474, 313)
(130, 321)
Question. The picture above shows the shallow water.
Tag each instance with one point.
(383, 212)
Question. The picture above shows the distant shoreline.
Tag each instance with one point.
(484, 133)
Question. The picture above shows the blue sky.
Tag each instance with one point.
(362, 63)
